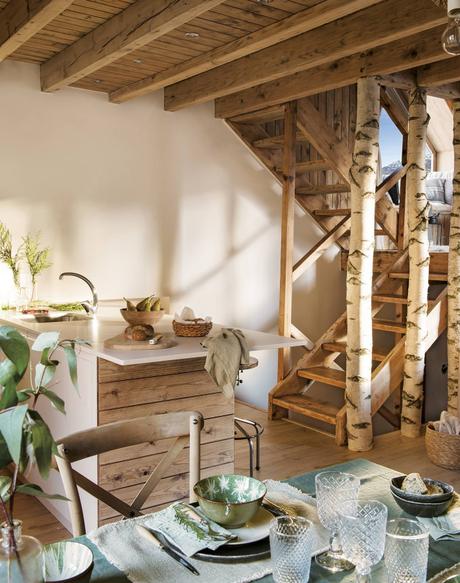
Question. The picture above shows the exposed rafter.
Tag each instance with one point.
(398, 59)
(136, 26)
(20, 20)
(447, 71)
(308, 19)
(386, 22)
(401, 55)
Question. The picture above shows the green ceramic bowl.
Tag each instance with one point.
(229, 499)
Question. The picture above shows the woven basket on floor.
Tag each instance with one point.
(195, 329)
(443, 449)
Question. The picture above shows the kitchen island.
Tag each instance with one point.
(118, 384)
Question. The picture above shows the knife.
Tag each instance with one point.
(149, 535)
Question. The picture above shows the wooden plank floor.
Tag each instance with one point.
(287, 450)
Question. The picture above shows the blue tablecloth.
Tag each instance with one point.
(442, 554)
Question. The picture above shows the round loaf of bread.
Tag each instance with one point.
(141, 332)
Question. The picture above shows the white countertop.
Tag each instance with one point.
(109, 323)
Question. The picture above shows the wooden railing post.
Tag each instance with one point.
(287, 234)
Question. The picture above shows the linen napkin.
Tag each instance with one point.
(187, 528)
(142, 562)
(448, 424)
(447, 526)
(226, 351)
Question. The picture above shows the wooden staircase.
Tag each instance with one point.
(291, 394)
(322, 158)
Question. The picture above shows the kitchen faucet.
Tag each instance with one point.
(89, 307)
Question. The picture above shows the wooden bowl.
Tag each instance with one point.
(136, 318)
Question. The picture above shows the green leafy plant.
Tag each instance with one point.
(25, 438)
(38, 259)
(7, 255)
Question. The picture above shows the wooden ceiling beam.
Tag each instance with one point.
(440, 73)
(387, 59)
(21, 19)
(298, 23)
(131, 29)
(385, 22)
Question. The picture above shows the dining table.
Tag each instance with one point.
(442, 555)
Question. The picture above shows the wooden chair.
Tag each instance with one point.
(184, 426)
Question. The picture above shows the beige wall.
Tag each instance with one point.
(139, 200)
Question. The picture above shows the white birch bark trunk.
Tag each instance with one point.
(363, 177)
(419, 266)
(453, 280)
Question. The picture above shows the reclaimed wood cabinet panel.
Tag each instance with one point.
(126, 392)
(115, 394)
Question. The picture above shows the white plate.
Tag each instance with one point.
(254, 530)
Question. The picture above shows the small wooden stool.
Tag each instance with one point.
(253, 430)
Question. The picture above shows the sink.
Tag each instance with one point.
(67, 317)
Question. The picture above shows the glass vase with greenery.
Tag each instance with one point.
(25, 439)
(9, 257)
(37, 258)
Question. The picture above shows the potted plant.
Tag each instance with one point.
(25, 439)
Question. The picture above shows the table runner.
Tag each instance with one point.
(443, 554)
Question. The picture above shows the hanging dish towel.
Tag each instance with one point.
(226, 351)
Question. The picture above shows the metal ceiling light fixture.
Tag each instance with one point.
(451, 36)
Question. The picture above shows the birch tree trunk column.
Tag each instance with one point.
(363, 177)
(419, 266)
(453, 280)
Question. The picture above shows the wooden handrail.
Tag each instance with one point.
(342, 227)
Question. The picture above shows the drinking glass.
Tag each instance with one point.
(332, 488)
(362, 528)
(291, 543)
(406, 551)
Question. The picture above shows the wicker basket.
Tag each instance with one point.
(443, 449)
(195, 329)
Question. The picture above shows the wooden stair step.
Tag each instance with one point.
(313, 166)
(393, 299)
(323, 189)
(433, 276)
(272, 113)
(377, 355)
(323, 374)
(389, 326)
(277, 141)
(305, 406)
(390, 299)
(332, 212)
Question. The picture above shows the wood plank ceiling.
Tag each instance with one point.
(235, 51)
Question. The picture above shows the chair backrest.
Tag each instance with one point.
(184, 426)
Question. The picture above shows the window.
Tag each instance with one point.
(391, 142)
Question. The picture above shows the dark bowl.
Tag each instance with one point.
(422, 509)
(448, 491)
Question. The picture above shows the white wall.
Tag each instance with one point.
(139, 200)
